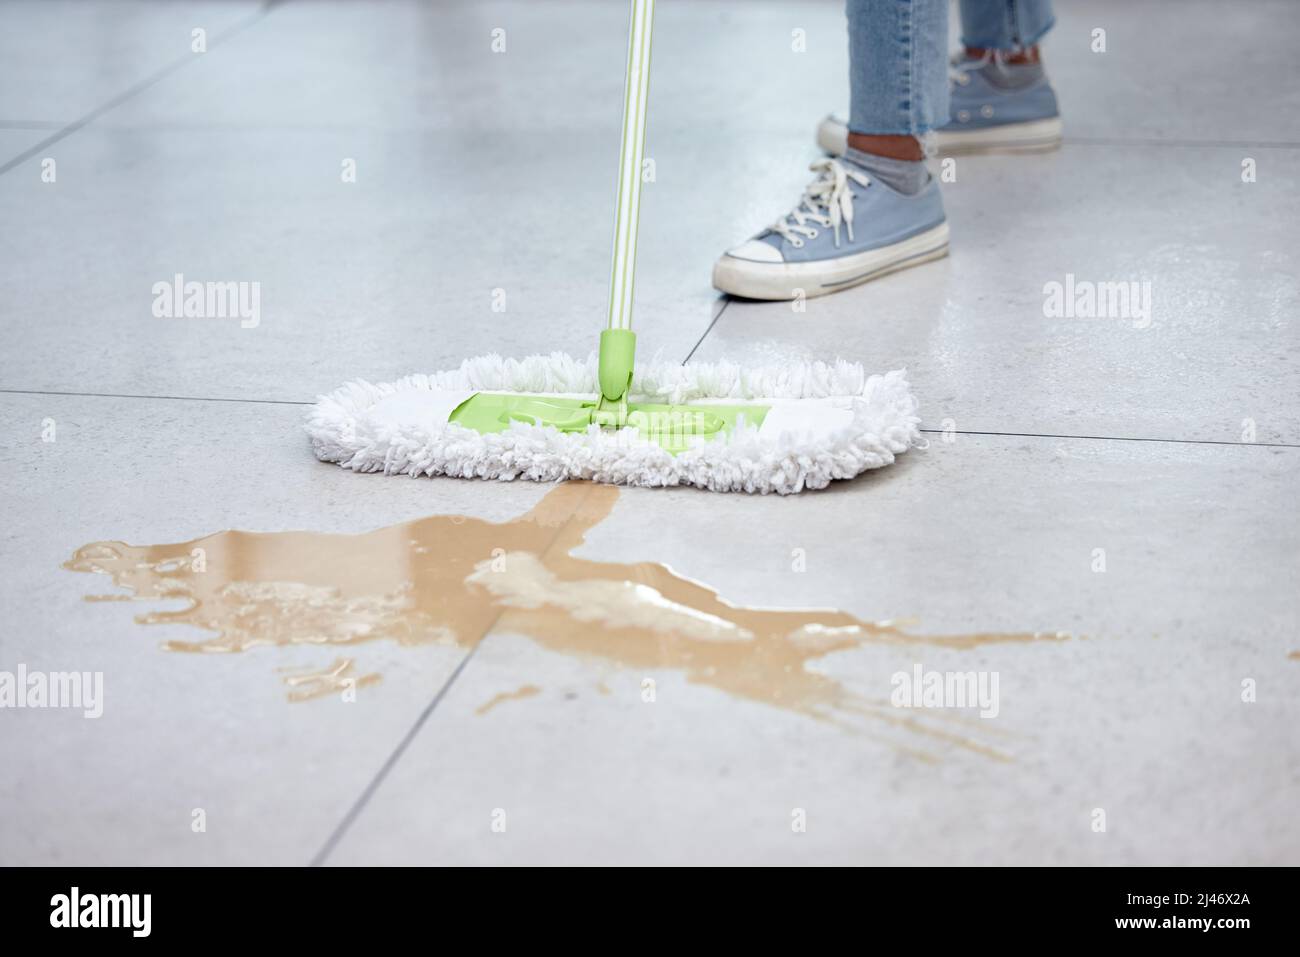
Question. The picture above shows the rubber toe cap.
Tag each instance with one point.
(755, 250)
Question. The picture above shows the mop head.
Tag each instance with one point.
(808, 424)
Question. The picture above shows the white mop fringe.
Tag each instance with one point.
(884, 424)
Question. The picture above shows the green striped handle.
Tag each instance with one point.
(623, 277)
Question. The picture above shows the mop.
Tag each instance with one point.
(547, 418)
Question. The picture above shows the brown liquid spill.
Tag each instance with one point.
(337, 679)
(525, 691)
(450, 579)
(1294, 656)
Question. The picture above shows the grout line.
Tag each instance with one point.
(726, 301)
(1013, 435)
(1115, 438)
(222, 128)
(168, 398)
(1155, 141)
(359, 805)
(226, 127)
(135, 89)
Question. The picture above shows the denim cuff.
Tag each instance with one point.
(1005, 24)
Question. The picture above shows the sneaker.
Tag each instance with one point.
(996, 106)
(847, 228)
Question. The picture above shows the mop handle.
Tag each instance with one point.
(623, 275)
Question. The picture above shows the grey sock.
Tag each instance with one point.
(1012, 76)
(907, 176)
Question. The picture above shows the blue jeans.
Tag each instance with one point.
(898, 55)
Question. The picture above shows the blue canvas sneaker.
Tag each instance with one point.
(848, 227)
(995, 106)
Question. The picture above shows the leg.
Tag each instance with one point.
(897, 74)
(1007, 25)
(999, 98)
(876, 210)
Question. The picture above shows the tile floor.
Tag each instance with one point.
(1050, 438)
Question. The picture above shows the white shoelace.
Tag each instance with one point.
(960, 67)
(827, 201)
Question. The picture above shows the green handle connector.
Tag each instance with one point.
(617, 360)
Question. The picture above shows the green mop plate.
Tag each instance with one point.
(674, 428)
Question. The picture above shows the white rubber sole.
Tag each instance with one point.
(784, 281)
(1033, 136)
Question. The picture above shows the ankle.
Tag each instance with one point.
(889, 146)
(1017, 55)
(905, 176)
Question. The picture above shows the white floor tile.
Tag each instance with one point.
(184, 731)
(1139, 713)
(63, 59)
(479, 172)
(1219, 346)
